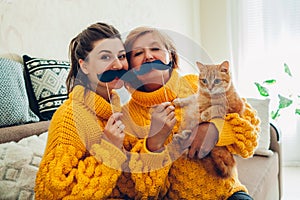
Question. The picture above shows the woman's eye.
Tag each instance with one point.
(155, 49)
(122, 56)
(105, 57)
(137, 54)
(217, 81)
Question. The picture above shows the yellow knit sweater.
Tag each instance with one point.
(184, 178)
(78, 163)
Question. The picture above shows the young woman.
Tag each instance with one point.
(84, 154)
(164, 171)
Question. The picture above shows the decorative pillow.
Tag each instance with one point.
(19, 163)
(45, 82)
(262, 108)
(14, 104)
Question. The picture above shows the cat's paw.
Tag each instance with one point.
(182, 139)
(185, 134)
(205, 116)
(178, 102)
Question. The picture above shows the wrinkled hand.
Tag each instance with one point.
(113, 131)
(162, 122)
(200, 141)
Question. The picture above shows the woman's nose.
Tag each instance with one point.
(148, 56)
(117, 64)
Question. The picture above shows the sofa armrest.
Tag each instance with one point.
(16, 133)
(275, 145)
(275, 134)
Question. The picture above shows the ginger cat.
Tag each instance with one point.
(216, 97)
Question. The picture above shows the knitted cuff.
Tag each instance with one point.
(143, 160)
(108, 154)
(226, 135)
(238, 134)
(154, 160)
(146, 150)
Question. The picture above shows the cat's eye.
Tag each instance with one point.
(217, 81)
(204, 81)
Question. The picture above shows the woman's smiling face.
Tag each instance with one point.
(147, 48)
(107, 54)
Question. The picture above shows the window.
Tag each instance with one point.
(265, 34)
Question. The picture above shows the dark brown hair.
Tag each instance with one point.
(81, 46)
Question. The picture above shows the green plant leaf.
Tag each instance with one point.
(297, 111)
(263, 91)
(270, 82)
(284, 102)
(275, 115)
(287, 70)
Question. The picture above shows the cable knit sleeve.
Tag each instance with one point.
(149, 171)
(239, 133)
(66, 172)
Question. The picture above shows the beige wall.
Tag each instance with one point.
(214, 29)
(44, 28)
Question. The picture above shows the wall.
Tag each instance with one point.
(44, 28)
(214, 29)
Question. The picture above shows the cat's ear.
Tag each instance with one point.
(200, 66)
(224, 67)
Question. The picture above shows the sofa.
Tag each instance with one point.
(22, 142)
(262, 175)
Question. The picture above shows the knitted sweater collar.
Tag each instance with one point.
(163, 94)
(96, 103)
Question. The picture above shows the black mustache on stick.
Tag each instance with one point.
(148, 66)
(110, 75)
(126, 75)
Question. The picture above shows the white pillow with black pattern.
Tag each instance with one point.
(46, 84)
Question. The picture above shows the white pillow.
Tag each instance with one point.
(19, 163)
(262, 108)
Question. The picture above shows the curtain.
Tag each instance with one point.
(265, 38)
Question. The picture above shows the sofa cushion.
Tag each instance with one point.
(14, 104)
(46, 84)
(19, 163)
(262, 108)
(260, 175)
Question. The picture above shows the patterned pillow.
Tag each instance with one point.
(45, 82)
(14, 104)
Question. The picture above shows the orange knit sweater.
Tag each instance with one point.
(184, 178)
(78, 163)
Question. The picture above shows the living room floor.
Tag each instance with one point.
(291, 182)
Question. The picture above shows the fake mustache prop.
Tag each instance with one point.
(126, 75)
(111, 75)
(148, 66)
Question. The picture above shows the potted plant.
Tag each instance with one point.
(283, 101)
